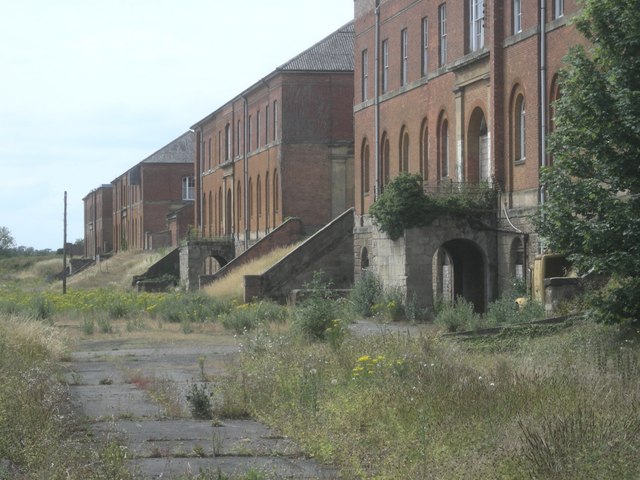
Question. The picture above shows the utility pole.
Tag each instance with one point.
(64, 248)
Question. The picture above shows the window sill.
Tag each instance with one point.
(520, 162)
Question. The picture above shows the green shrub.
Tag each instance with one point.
(317, 311)
(199, 398)
(455, 317)
(366, 292)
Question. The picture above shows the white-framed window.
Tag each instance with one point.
(558, 8)
(365, 75)
(385, 65)
(442, 34)
(476, 25)
(517, 16)
(404, 54)
(425, 46)
(188, 188)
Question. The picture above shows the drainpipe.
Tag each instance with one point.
(543, 101)
(245, 160)
(376, 93)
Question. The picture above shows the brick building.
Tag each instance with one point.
(281, 148)
(98, 221)
(461, 92)
(147, 198)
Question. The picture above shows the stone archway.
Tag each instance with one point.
(459, 271)
(195, 255)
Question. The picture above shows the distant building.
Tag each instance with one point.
(281, 148)
(146, 196)
(461, 92)
(98, 221)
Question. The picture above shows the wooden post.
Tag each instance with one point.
(64, 248)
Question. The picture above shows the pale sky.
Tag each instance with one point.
(89, 88)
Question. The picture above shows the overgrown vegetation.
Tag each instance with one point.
(40, 435)
(526, 404)
(403, 204)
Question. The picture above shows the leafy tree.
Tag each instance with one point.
(592, 211)
(7, 243)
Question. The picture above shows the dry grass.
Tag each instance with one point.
(231, 286)
(117, 271)
(32, 339)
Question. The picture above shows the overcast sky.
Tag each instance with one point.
(89, 88)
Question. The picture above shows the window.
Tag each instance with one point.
(275, 120)
(365, 168)
(266, 124)
(209, 162)
(238, 138)
(227, 142)
(250, 199)
(386, 175)
(219, 147)
(444, 148)
(558, 8)
(404, 54)
(424, 150)
(425, 46)
(275, 195)
(258, 129)
(404, 151)
(442, 32)
(519, 130)
(385, 65)
(259, 197)
(365, 74)
(517, 16)
(188, 188)
(249, 134)
(476, 25)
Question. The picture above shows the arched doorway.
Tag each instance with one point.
(459, 271)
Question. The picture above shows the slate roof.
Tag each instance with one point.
(334, 53)
(181, 150)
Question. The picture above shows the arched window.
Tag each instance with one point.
(259, 197)
(220, 213)
(519, 130)
(385, 153)
(366, 185)
(424, 150)
(443, 147)
(250, 199)
(210, 212)
(266, 201)
(364, 259)
(238, 207)
(554, 96)
(276, 195)
(403, 165)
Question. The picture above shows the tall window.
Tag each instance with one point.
(227, 142)
(275, 120)
(259, 197)
(424, 150)
(444, 148)
(442, 32)
(404, 54)
(238, 206)
(219, 147)
(266, 200)
(250, 199)
(258, 129)
(386, 175)
(266, 124)
(558, 8)
(519, 129)
(249, 134)
(365, 168)
(517, 16)
(238, 138)
(209, 162)
(385, 65)
(404, 151)
(276, 195)
(425, 46)
(476, 25)
(188, 188)
(365, 74)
